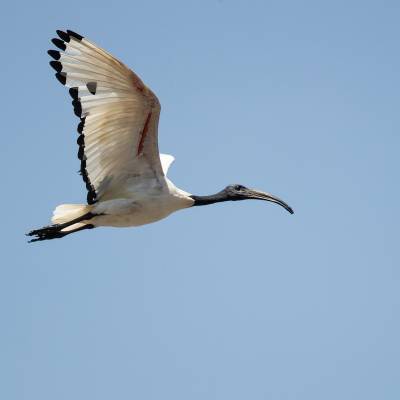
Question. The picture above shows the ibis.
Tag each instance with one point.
(124, 173)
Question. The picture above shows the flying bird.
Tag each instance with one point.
(124, 173)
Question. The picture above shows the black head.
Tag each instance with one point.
(237, 192)
(240, 192)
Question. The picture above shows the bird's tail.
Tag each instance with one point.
(68, 212)
(67, 219)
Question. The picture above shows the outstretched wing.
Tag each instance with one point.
(119, 116)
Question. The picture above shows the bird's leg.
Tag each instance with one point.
(47, 235)
(59, 227)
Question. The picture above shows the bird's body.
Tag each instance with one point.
(118, 146)
(142, 206)
(141, 203)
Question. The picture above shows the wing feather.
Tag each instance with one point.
(119, 116)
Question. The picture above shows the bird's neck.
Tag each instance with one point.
(211, 199)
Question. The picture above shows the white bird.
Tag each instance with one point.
(120, 163)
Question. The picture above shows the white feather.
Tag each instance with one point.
(67, 212)
(166, 161)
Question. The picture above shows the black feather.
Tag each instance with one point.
(77, 107)
(81, 151)
(92, 86)
(62, 77)
(56, 65)
(74, 92)
(54, 54)
(63, 36)
(59, 43)
(81, 125)
(75, 35)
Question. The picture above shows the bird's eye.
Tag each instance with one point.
(238, 187)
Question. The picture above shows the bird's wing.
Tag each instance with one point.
(119, 117)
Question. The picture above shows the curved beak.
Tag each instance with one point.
(259, 195)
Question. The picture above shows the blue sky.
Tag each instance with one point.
(231, 301)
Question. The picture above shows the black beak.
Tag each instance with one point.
(258, 195)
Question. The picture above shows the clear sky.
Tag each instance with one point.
(230, 301)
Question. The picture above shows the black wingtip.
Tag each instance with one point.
(59, 43)
(81, 151)
(74, 92)
(77, 107)
(62, 77)
(64, 36)
(77, 36)
(81, 125)
(80, 141)
(54, 54)
(92, 86)
(56, 65)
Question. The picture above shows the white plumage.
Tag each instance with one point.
(118, 147)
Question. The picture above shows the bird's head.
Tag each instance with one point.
(239, 192)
